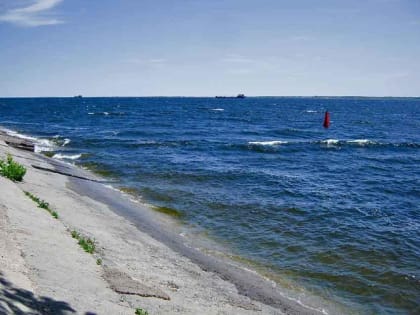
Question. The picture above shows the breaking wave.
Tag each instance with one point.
(67, 157)
(267, 143)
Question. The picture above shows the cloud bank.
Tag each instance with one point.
(36, 14)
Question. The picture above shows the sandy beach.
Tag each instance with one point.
(140, 261)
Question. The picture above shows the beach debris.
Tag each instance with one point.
(122, 283)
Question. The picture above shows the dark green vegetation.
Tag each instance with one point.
(49, 154)
(11, 169)
(140, 311)
(86, 243)
(42, 204)
(99, 261)
(169, 211)
(99, 169)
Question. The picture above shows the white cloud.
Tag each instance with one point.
(238, 59)
(33, 15)
(147, 62)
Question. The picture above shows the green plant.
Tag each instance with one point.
(140, 311)
(42, 204)
(86, 243)
(99, 261)
(75, 235)
(11, 169)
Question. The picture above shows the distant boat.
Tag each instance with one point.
(78, 96)
(237, 96)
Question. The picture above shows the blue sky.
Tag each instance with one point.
(206, 48)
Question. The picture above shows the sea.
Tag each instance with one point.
(332, 215)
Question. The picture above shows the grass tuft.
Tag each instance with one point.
(86, 243)
(42, 204)
(75, 235)
(140, 311)
(99, 261)
(11, 169)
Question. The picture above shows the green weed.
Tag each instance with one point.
(11, 169)
(86, 243)
(42, 204)
(140, 311)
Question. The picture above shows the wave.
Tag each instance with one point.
(218, 109)
(107, 113)
(361, 142)
(355, 142)
(267, 143)
(44, 145)
(13, 133)
(331, 141)
(311, 111)
(367, 143)
(40, 145)
(67, 157)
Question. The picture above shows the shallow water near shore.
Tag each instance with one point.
(334, 211)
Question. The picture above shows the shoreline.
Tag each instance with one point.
(245, 291)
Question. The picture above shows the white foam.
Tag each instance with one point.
(331, 141)
(18, 135)
(44, 145)
(218, 109)
(39, 144)
(311, 111)
(267, 143)
(361, 142)
(66, 142)
(67, 157)
(106, 113)
(90, 113)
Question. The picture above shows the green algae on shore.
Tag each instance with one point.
(99, 169)
(130, 191)
(169, 211)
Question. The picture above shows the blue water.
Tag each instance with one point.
(335, 211)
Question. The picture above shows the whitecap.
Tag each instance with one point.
(105, 113)
(90, 113)
(361, 142)
(66, 142)
(218, 109)
(330, 141)
(44, 145)
(267, 143)
(311, 111)
(13, 133)
(67, 157)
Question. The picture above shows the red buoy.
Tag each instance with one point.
(327, 120)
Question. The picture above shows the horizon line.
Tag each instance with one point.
(213, 96)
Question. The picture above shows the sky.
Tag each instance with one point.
(209, 47)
